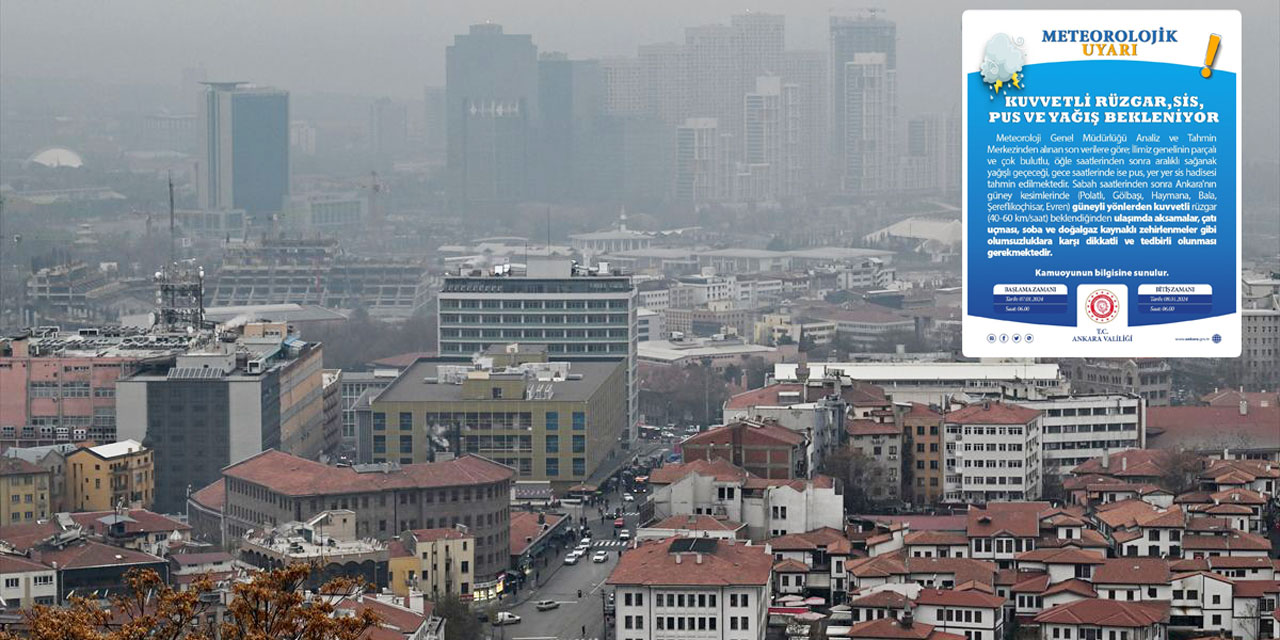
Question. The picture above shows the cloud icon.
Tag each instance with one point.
(1002, 59)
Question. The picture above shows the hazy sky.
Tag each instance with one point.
(393, 47)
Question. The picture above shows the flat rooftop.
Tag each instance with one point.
(420, 383)
(908, 371)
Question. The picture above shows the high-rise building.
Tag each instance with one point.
(924, 163)
(758, 43)
(772, 136)
(491, 86)
(577, 313)
(698, 160)
(434, 120)
(852, 35)
(622, 86)
(244, 149)
(225, 402)
(664, 79)
(807, 70)
(870, 107)
(713, 75)
(388, 127)
(570, 102)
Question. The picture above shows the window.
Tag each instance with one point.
(553, 444)
(11, 583)
(406, 421)
(579, 421)
(42, 581)
(553, 467)
(579, 444)
(626, 622)
(626, 599)
(553, 420)
(466, 566)
(579, 466)
(379, 421)
(1217, 620)
(1217, 599)
(406, 444)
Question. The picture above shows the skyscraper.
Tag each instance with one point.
(807, 70)
(758, 40)
(762, 133)
(698, 160)
(434, 120)
(388, 127)
(570, 102)
(862, 33)
(244, 148)
(870, 104)
(491, 86)
(622, 95)
(713, 74)
(664, 79)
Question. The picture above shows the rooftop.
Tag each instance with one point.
(525, 528)
(709, 563)
(992, 413)
(890, 628)
(1107, 613)
(440, 381)
(1132, 571)
(696, 523)
(911, 372)
(19, 467)
(294, 476)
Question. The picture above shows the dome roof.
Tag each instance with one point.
(57, 157)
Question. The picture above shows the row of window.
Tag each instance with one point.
(39, 581)
(516, 334)
(572, 319)
(446, 303)
(1094, 444)
(1091, 428)
(554, 348)
(481, 420)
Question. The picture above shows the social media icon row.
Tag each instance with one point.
(1005, 337)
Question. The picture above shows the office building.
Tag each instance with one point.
(1148, 378)
(579, 314)
(388, 128)
(354, 384)
(244, 149)
(932, 382)
(851, 36)
(769, 137)
(548, 420)
(272, 488)
(222, 403)
(1079, 428)
(24, 491)
(491, 86)
(808, 71)
(664, 80)
(869, 117)
(925, 164)
(699, 161)
(992, 454)
(623, 94)
(110, 476)
(571, 97)
(712, 73)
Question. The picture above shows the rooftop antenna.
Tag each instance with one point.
(171, 216)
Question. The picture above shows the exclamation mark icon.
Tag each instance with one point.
(1214, 39)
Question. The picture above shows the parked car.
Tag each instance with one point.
(505, 618)
(600, 556)
(545, 605)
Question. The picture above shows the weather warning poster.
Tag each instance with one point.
(1101, 183)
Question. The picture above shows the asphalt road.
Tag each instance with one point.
(561, 583)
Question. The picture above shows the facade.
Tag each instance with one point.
(579, 315)
(552, 421)
(24, 491)
(244, 149)
(765, 449)
(110, 476)
(882, 443)
(1079, 428)
(699, 161)
(992, 454)
(1260, 357)
(807, 71)
(922, 435)
(273, 488)
(570, 104)
(1092, 617)
(870, 111)
(931, 382)
(354, 384)
(25, 583)
(210, 408)
(51, 458)
(491, 95)
(327, 541)
(724, 592)
(852, 36)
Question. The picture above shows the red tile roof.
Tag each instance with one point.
(212, 497)
(95, 554)
(1232, 397)
(1107, 613)
(790, 565)
(964, 569)
(1255, 588)
(1074, 585)
(1142, 463)
(871, 428)
(919, 410)
(933, 538)
(728, 563)
(994, 522)
(25, 536)
(696, 523)
(1237, 541)
(890, 628)
(718, 468)
(1132, 571)
(1256, 468)
(1238, 496)
(832, 540)
(1031, 582)
(920, 523)
(524, 524)
(144, 522)
(767, 396)
(1066, 555)
(883, 599)
(18, 466)
(402, 620)
(18, 564)
(1205, 428)
(294, 476)
(954, 598)
(992, 413)
(1125, 513)
(403, 360)
(447, 533)
(746, 433)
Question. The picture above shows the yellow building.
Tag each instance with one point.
(433, 562)
(24, 491)
(106, 476)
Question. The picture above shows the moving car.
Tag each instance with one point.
(626, 497)
(619, 523)
(625, 535)
(600, 556)
(572, 558)
(545, 605)
(505, 618)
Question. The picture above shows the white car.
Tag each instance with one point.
(504, 618)
(624, 535)
(572, 558)
(626, 497)
(600, 556)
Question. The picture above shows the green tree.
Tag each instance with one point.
(460, 619)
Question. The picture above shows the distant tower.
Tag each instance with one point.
(244, 149)
(180, 297)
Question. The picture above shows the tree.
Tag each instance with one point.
(865, 482)
(1180, 468)
(271, 605)
(758, 371)
(460, 620)
(733, 373)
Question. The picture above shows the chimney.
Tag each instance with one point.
(1124, 463)
(1244, 407)
(1106, 459)
(906, 619)
(678, 558)
(697, 559)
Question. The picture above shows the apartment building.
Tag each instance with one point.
(110, 476)
(435, 562)
(992, 453)
(922, 434)
(24, 491)
(1078, 428)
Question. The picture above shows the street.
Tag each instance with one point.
(561, 582)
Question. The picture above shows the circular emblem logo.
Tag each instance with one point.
(1102, 306)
